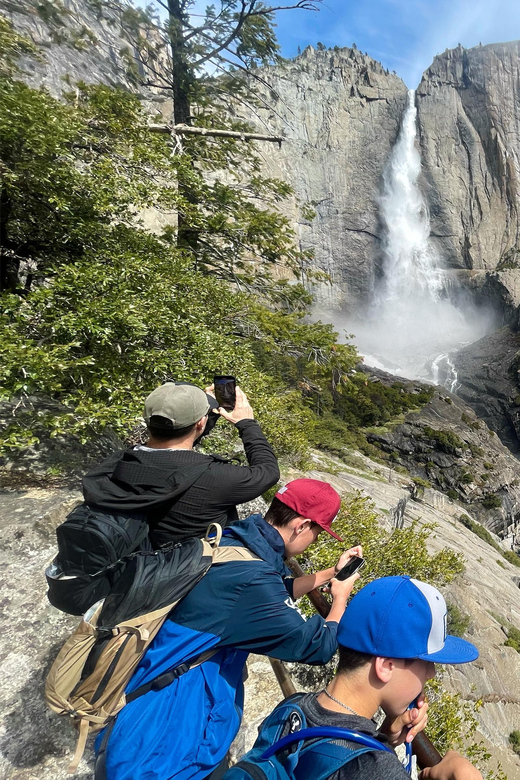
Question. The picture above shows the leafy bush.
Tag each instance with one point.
(458, 621)
(402, 551)
(447, 441)
(512, 557)
(480, 530)
(452, 724)
(513, 638)
(514, 741)
(491, 501)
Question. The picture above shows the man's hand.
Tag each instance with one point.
(452, 767)
(242, 410)
(405, 727)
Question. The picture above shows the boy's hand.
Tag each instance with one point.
(406, 726)
(452, 767)
(347, 555)
(340, 590)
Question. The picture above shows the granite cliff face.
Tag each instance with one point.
(469, 125)
(340, 112)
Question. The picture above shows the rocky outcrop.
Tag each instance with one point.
(489, 381)
(469, 120)
(444, 444)
(339, 111)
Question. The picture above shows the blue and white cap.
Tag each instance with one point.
(399, 617)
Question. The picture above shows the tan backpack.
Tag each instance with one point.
(87, 680)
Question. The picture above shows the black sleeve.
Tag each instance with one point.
(239, 484)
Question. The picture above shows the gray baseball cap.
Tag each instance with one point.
(179, 403)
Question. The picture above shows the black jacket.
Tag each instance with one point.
(141, 480)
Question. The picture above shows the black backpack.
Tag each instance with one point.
(96, 544)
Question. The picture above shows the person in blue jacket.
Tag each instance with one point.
(184, 730)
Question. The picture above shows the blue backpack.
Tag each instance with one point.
(286, 749)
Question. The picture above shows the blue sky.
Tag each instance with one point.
(404, 35)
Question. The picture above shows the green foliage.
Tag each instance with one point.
(480, 530)
(474, 424)
(403, 551)
(466, 478)
(421, 483)
(491, 501)
(458, 621)
(512, 557)
(513, 638)
(452, 724)
(476, 451)
(452, 494)
(514, 741)
(447, 441)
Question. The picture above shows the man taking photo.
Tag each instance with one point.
(178, 415)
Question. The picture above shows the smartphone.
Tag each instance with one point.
(349, 568)
(225, 387)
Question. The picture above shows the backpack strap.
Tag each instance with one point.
(322, 759)
(162, 681)
(332, 732)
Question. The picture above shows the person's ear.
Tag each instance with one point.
(301, 524)
(384, 668)
(201, 424)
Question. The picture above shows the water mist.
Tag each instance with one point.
(411, 326)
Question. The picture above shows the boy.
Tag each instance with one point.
(184, 730)
(390, 637)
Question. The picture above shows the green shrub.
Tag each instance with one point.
(491, 501)
(513, 638)
(512, 557)
(451, 493)
(480, 530)
(447, 441)
(421, 483)
(458, 621)
(466, 478)
(514, 741)
(476, 451)
(452, 724)
(402, 551)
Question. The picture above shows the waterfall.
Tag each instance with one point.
(412, 326)
(410, 261)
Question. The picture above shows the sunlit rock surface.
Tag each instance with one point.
(469, 119)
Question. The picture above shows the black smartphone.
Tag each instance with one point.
(350, 568)
(225, 391)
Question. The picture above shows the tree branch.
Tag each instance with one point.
(189, 130)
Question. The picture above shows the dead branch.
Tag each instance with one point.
(189, 130)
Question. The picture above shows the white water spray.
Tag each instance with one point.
(411, 263)
(412, 327)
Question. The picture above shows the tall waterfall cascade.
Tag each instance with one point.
(415, 320)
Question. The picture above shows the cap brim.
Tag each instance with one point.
(331, 533)
(455, 651)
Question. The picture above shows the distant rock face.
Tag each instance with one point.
(446, 445)
(78, 40)
(340, 112)
(469, 124)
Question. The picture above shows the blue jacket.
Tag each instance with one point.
(185, 730)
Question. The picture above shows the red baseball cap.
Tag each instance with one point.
(312, 499)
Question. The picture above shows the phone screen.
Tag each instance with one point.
(352, 566)
(225, 394)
